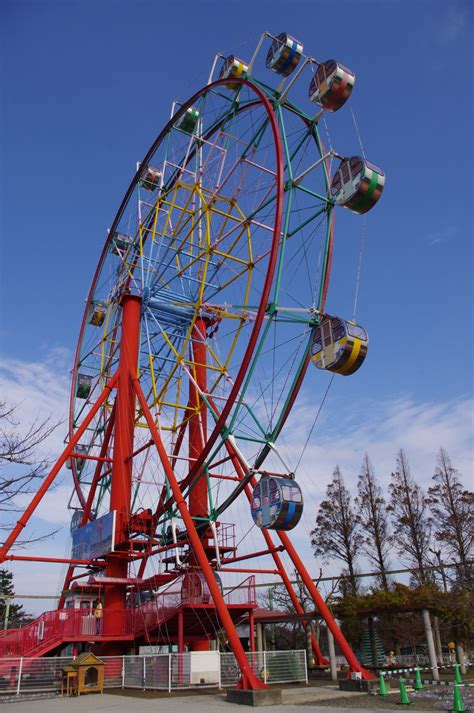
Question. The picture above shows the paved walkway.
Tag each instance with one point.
(212, 703)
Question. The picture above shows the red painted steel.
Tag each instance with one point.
(90, 498)
(308, 582)
(320, 659)
(121, 480)
(47, 482)
(248, 680)
(198, 500)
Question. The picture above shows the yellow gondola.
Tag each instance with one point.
(234, 68)
(339, 346)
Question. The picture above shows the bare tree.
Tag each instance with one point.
(453, 510)
(20, 468)
(373, 520)
(337, 531)
(410, 518)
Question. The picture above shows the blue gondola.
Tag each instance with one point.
(284, 54)
(277, 503)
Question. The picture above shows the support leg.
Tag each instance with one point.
(248, 680)
(55, 470)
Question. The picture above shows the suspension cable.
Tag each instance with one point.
(314, 422)
(359, 268)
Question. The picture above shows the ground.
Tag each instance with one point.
(327, 698)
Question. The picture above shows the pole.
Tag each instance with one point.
(7, 612)
(437, 636)
(430, 642)
(121, 478)
(460, 657)
(332, 655)
(198, 497)
(251, 632)
(373, 647)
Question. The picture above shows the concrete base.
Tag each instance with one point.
(260, 697)
(348, 684)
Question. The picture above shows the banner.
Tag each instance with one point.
(95, 539)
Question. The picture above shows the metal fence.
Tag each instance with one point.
(166, 672)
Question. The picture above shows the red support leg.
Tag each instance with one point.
(198, 500)
(197, 432)
(248, 680)
(55, 470)
(121, 479)
(90, 498)
(320, 659)
(323, 609)
(309, 584)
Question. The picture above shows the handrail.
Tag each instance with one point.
(52, 627)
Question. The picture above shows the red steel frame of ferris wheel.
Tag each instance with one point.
(54, 471)
(197, 427)
(90, 498)
(248, 680)
(121, 478)
(273, 550)
(307, 581)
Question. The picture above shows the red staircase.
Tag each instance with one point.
(53, 628)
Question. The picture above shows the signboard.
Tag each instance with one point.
(95, 539)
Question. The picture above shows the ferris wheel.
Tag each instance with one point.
(206, 309)
(226, 235)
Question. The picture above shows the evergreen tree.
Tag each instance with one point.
(337, 532)
(16, 615)
(453, 510)
(372, 518)
(410, 519)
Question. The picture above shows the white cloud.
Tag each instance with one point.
(343, 434)
(453, 22)
(381, 429)
(442, 236)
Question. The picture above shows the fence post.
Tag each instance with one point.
(20, 669)
(220, 677)
(169, 673)
(305, 667)
(264, 666)
(144, 674)
(123, 672)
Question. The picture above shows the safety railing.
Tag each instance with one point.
(244, 593)
(53, 627)
(64, 624)
(226, 535)
(196, 669)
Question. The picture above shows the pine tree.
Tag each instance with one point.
(373, 520)
(337, 531)
(453, 510)
(16, 615)
(410, 519)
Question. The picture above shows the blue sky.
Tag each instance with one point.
(88, 85)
